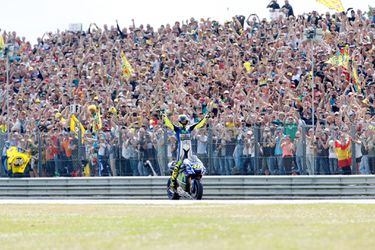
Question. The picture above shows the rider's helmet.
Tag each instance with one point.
(183, 120)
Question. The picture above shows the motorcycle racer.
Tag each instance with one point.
(183, 135)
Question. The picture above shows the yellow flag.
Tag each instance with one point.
(2, 43)
(341, 58)
(17, 161)
(333, 4)
(355, 78)
(127, 69)
(97, 124)
(76, 127)
(86, 170)
(248, 67)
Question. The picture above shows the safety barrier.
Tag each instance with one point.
(215, 187)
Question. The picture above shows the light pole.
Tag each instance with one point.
(7, 89)
(313, 35)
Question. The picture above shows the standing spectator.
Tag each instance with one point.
(344, 154)
(103, 157)
(332, 156)
(268, 148)
(202, 146)
(371, 150)
(248, 154)
(237, 154)
(273, 5)
(279, 151)
(288, 8)
(50, 158)
(322, 153)
(114, 158)
(67, 148)
(288, 150)
(364, 166)
(358, 152)
(298, 145)
(310, 152)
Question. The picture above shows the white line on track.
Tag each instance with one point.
(184, 202)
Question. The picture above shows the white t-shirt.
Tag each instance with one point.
(358, 150)
(102, 148)
(202, 144)
(332, 152)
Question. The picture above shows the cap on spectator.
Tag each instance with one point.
(226, 92)
(37, 100)
(112, 110)
(92, 108)
(57, 115)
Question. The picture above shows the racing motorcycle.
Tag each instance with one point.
(189, 184)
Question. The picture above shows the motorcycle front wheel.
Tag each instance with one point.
(196, 190)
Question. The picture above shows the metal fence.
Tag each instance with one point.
(225, 149)
(215, 187)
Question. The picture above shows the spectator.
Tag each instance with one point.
(103, 157)
(299, 153)
(344, 154)
(288, 8)
(268, 148)
(332, 156)
(202, 146)
(322, 153)
(287, 156)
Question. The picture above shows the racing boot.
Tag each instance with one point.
(174, 175)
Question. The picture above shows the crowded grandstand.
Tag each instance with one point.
(90, 102)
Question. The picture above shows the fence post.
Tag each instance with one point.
(79, 153)
(39, 153)
(165, 156)
(209, 149)
(304, 165)
(120, 142)
(352, 135)
(256, 149)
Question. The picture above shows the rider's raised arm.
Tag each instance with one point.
(168, 123)
(198, 124)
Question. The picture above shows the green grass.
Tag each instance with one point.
(320, 226)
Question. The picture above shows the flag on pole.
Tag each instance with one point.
(97, 124)
(127, 69)
(2, 46)
(341, 58)
(357, 86)
(76, 127)
(17, 160)
(333, 4)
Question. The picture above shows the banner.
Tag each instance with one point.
(76, 127)
(17, 161)
(97, 124)
(357, 86)
(127, 69)
(341, 58)
(333, 4)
